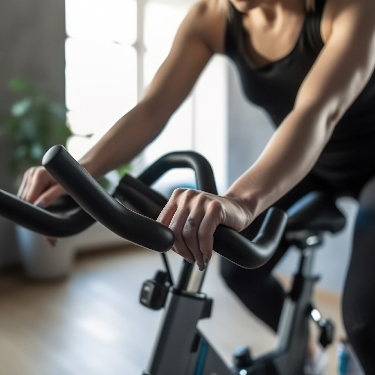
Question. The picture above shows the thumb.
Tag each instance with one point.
(49, 196)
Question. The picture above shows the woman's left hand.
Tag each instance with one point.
(194, 215)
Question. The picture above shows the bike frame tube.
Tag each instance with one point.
(293, 331)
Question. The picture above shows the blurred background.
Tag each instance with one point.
(96, 58)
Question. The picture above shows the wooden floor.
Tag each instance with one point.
(92, 324)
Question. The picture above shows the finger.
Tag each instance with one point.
(25, 183)
(176, 225)
(39, 183)
(166, 215)
(50, 196)
(207, 229)
(169, 210)
(190, 235)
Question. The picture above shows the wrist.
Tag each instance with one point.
(248, 200)
(92, 167)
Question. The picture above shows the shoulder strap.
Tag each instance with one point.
(233, 30)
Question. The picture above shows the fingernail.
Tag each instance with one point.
(205, 260)
(201, 266)
(40, 204)
(189, 260)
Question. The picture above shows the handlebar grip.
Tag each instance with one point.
(42, 221)
(227, 242)
(102, 206)
(252, 254)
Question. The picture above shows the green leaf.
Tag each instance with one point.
(28, 129)
(58, 110)
(37, 151)
(123, 169)
(34, 125)
(20, 108)
(21, 152)
(103, 182)
(19, 85)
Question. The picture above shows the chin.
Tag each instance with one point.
(245, 5)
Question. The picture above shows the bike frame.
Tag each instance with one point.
(182, 349)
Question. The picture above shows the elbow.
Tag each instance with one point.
(321, 116)
(328, 113)
(332, 118)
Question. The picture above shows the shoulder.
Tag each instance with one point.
(338, 13)
(335, 8)
(206, 20)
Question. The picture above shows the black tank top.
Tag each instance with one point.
(274, 87)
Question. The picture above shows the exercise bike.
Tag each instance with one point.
(180, 347)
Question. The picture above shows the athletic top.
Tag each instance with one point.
(274, 87)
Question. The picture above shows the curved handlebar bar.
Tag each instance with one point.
(148, 233)
(42, 221)
(182, 159)
(102, 206)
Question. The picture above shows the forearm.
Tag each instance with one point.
(125, 140)
(288, 157)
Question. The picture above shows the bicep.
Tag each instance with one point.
(344, 65)
(180, 70)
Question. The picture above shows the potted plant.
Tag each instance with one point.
(34, 125)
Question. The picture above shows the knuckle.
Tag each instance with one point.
(39, 172)
(202, 199)
(177, 192)
(189, 194)
(215, 207)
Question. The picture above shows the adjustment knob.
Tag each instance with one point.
(242, 356)
(327, 331)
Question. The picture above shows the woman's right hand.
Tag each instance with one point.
(38, 187)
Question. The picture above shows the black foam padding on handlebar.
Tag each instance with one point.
(102, 206)
(227, 242)
(251, 254)
(42, 221)
(141, 197)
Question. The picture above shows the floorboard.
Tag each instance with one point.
(91, 323)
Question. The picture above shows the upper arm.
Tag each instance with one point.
(191, 50)
(345, 64)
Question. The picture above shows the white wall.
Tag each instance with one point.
(210, 123)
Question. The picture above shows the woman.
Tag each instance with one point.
(311, 67)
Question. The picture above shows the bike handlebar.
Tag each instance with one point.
(149, 233)
(98, 203)
(43, 221)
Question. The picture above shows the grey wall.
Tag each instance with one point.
(248, 129)
(32, 39)
(248, 133)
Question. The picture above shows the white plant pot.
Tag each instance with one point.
(40, 259)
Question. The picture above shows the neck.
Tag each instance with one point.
(270, 8)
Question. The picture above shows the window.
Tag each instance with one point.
(113, 50)
(101, 67)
